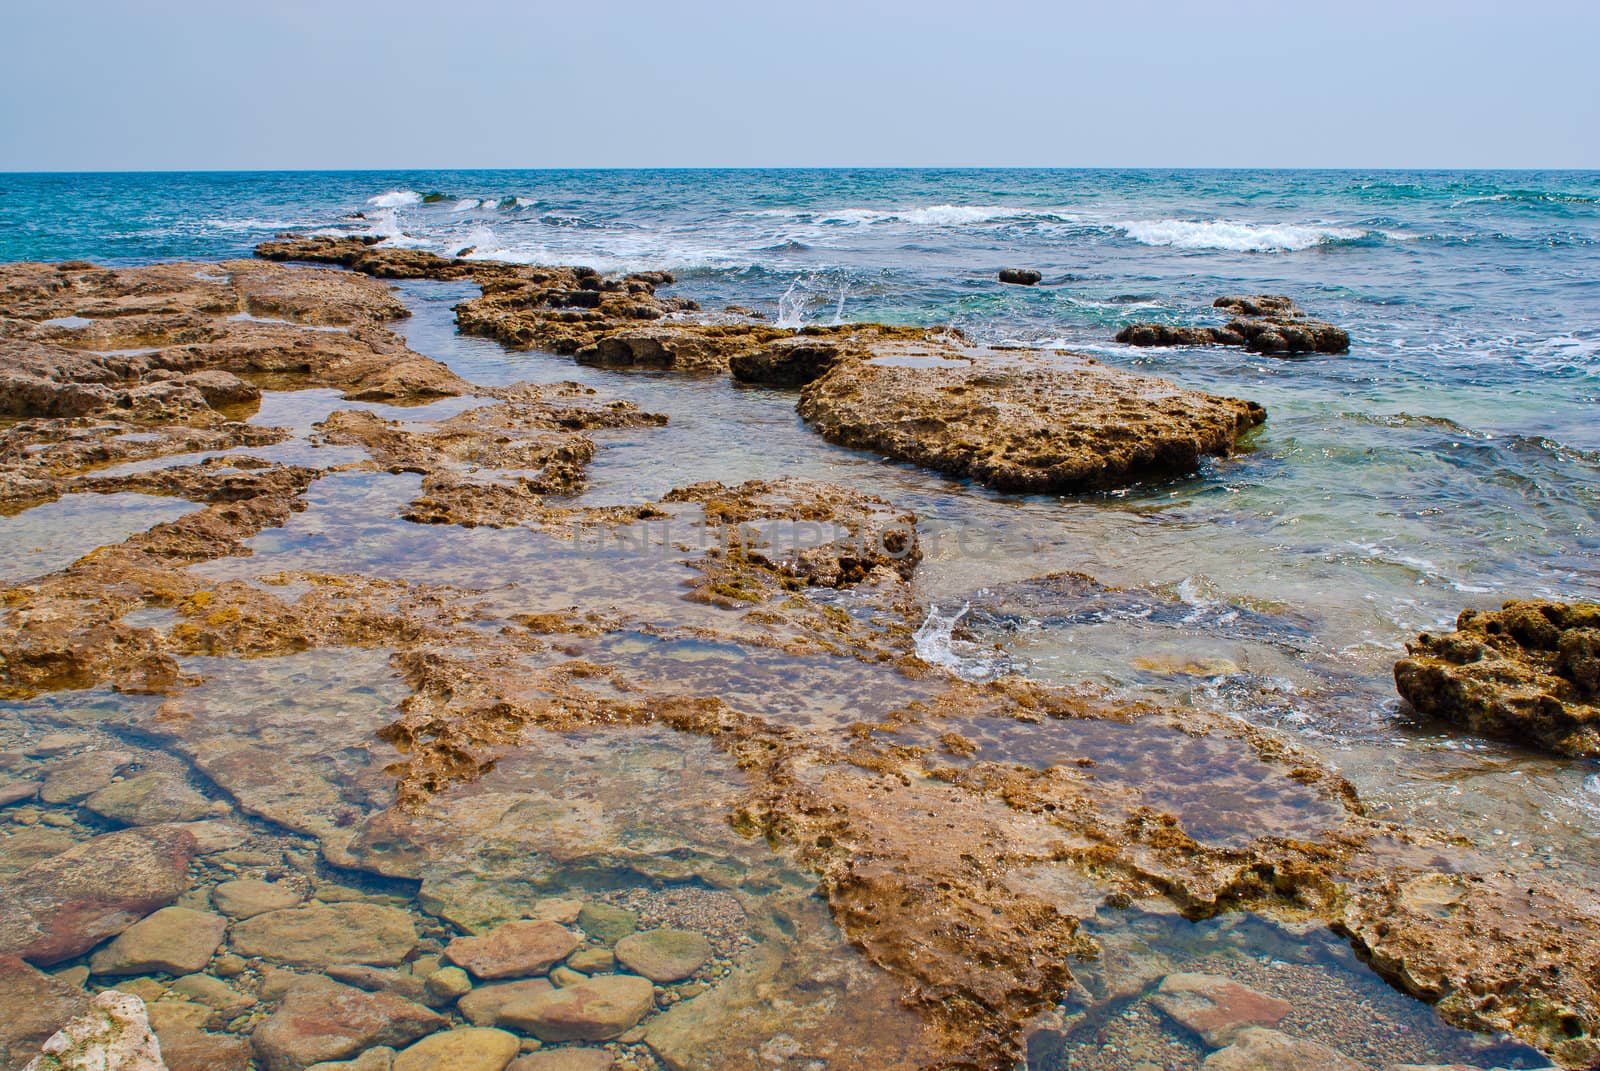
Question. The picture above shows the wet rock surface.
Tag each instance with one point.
(114, 1032)
(1262, 323)
(371, 705)
(1528, 672)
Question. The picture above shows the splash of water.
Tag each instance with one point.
(936, 645)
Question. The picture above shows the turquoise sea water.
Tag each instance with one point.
(1451, 459)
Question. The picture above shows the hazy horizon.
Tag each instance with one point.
(297, 86)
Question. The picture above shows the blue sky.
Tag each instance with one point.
(95, 85)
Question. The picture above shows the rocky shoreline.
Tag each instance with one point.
(661, 810)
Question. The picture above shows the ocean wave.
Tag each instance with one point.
(921, 216)
(395, 199)
(1240, 237)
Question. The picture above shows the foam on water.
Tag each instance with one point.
(1236, 235)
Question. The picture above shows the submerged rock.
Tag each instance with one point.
(150, 799)
(1216, 1008)
(467, 1048)
(248, 897)
(1528, 672)
(174, 940)
(114, 1033)
(1021, 422)
(486, 1004)
(1264, 323)
(67, 904)
(33, 1005)
(321, 935)
(321, 1020)
(564, 1059)
(664, 955)
(1267, 1050)
(597, 1010)
(514, 950)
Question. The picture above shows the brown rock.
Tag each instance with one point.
(467, 1048)
(788, 362)
(485, 1005)
(1526, 672)
(187, 1046)
(74, 778)
(596, 1010)
(513, 950)
(149, 799)
(1020, 276)
(664, 955)
(564, 1059)
(321, 935)
(1267, 1050)
(322, 1020)
(1217, 1008)
(65, 905)
(1020, 422)
(174, 940)
(33, 1005)
(248, 897)
(1265, 323)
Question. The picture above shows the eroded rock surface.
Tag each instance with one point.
(1528, 672)
(1263, 323)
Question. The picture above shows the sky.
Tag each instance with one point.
(291, 84)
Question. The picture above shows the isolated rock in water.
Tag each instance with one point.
(321, 935)
(1217, 1008)
(177, 940)
(1264, 323)
(148, 800)
(1018, 421)
(321, 1020)
(467, 1048)
(1020, 276)
(596, 1010)
(113, 1035)
(514, 950)
(664, 955)
(33, 1005)
(248, 897)
(67, 904)
(1528, 672)
(1267, 1050)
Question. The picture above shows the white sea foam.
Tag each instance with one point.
(466, 204)
(919, 216)
(395, 199)
(1235, 235)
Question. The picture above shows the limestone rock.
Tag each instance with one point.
(607, 924)
(1528, 672)
(380, 980)
(74, 778)
(467, 1048)
(448, 984)
(176, 940)
(18, 792)
(1020, 276)
(322, 935)
(1263, 323)
(113, 1033)
(33, 1005)
(247, 897)
(378, 1059)
(564, 1059)
(149, 799)
(1256, 1049)
(597, 1010)
(664, 955)
(322, 1020)
(1217, 1008)
(788, 362)
(187, 1046)
(1020, 422)
(214, 993)
(65, 905)
(513, 950)
(592, 960)
(485, 1005)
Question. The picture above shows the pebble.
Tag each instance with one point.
(448, 984)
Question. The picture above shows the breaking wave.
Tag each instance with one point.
(1239, 236)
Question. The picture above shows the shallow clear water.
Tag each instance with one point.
(1449, 461)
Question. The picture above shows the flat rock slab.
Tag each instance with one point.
(1018, 421)
(468, 1048)
(607, 924)
(322, 935)
(247, 898)
(565, 1060)
(379, 1059)
(321, 1020)
(176, 940)
(485, 1005)
(513, 950)
(187, 1046)
(597, 1010)
(67, 904)
(664, 955)
(1257, 1049)
(113, 1033)
(1217, 1008)
(33, 1005)
(74, 778)
(148, 800)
